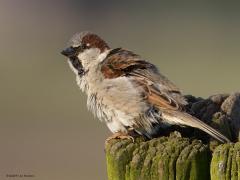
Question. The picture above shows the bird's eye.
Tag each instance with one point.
(84, 46)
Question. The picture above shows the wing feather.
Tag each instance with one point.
(159, 91)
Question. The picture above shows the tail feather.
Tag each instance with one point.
(177, 117)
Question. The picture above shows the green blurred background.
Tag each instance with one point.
(45, 128)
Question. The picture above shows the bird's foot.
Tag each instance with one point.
(120, 135)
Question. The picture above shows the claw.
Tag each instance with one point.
(119, 135)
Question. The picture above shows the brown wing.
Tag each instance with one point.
(120, 62)
(158, 90)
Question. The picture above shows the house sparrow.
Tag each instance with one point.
(127, 92)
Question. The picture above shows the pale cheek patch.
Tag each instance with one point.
(88, 57)
(92, 57)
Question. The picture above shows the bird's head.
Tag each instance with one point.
(84, 50)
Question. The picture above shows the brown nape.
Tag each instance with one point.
(95, 41)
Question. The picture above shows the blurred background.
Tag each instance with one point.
(45, 127)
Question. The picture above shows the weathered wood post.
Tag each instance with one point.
(183, 155)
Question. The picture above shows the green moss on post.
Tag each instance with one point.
(226, 162)
(193, 162)
(162, 158)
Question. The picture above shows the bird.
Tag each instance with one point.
(126, 91)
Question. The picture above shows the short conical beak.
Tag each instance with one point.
(69, 52)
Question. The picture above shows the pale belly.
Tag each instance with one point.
(118, 103)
